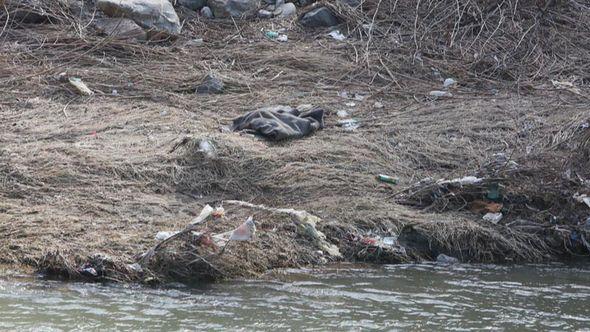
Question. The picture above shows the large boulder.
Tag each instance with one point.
(156, 15)
(234, 8)
(319, 17)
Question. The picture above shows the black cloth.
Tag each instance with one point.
(278, 123)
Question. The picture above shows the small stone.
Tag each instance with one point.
(286, 10)
(444, 259)
(264, 14)
(319, 17)
(210, 84)
(283, 38)
(206, 12)
(192, 4)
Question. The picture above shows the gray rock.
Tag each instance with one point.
(351, 3)
(286, 10)
(319, 17)
(444, 259)
(234, 8)
(206, 12)
(304, 3)
(264, 13)
(158, 15)
(279, 3)
(192, 4)
(120, 28)
(210, 84)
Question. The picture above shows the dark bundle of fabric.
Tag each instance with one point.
(280, 122)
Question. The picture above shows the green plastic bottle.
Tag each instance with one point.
(387, 179)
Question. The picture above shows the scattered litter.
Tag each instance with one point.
(582, 199)
(88, 272)
(564, 85)
(444, 259)
(271, 34)
(283, 38)
(342, 114)
(479, 206)
(195, 42)
(205, 213)
(343, 94)
(244, 232)
(493, 217)
(437, 93)
(378, 105)
(349, 124)
(493, 193)
(207, 148)
(306, 225)
(219, 212)
(280, 122)
(369, 241)
(135, 267)
(387, 179)
(115, 92)
(389, 241)
(161, 236)
(80, 86)
(336, 34)
(164, 113)
(462, 181)
(350, 104)
(449, 82)
(358, 97)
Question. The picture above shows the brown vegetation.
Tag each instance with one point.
(87, 175)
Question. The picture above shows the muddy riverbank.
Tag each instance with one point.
(88, 181)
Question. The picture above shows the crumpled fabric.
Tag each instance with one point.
(280, 122)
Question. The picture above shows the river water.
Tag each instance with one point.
(400, 297)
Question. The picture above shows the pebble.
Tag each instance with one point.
(206, 12)
(264, 14)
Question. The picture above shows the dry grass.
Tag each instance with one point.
(80, 175)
